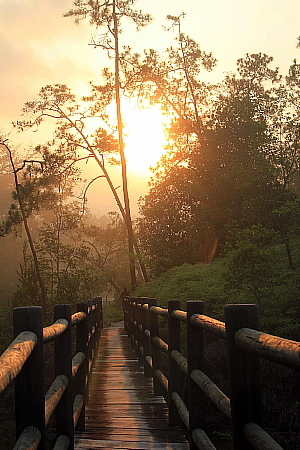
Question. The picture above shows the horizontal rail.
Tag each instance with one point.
(62, 443)
(54, 330)
(162, 379)
(180, 360)
(77, 407)
(15, 356)
(29, 439)
(78, 317)
(181, 408)
(54, 395)
(259, 438)
(201, 440)
(219, 399)
(148, 360)
(147, 333)
(180, 315)
(160, 344)
(76, 362)
(159, 311)
(267, 346)
(214, 326)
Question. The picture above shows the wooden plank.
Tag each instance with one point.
(103, 444)
(132, 438)
(122, 412)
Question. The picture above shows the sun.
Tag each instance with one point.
(144, 137)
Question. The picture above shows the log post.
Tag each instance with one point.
(29, 383)
(81, 346)
(195, 357)
(130, 320)
(98, 302)
(101, 313)
(89, 345)
(174, 371)
(125, 313)
(147, 346)
(142, 337)
(93, 342)
(155, 352)
(63, 366)
(243, 371)
(139, 333)
(134, 320)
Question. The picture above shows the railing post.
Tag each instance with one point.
(195, 357)
(139, 333)
(89, 346)
(29, 384)
(147, 340)
(141, 325)
(125, 313)
(134, 321)
(97, 301)
(130, 321)
(63, 366)
(81, 346)
(93, 341)
(145, 343)
(155, 352)
(243, 370)
(174, 371)
(100, 305)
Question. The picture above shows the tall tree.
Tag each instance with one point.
(20, 214)
(72, 116)
(219, 174)
(108, 15)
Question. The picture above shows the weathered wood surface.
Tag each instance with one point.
(122, 412)
(259, 438)
(209, 324)
(54, 330)
(29, 439)
(274, 348)
(14, 357)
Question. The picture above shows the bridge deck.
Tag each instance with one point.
(122, 412)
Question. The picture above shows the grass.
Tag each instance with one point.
(112, 312)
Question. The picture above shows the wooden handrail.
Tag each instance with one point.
(209, 324)
(23, 361)
(78, 317)
(245, 345)
(266, 346)
(54, 330)
(14, 357)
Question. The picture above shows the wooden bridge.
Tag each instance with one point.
(122, 412)
(142, 392)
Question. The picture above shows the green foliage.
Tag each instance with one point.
(250, 266)
(112, 312)
(218, 177)
(191, 282)
(232, 279)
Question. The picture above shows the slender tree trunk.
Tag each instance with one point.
(114, 192)
(289, 253)
(29, 237)
(122, 155)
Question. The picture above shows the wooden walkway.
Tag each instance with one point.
(122, 412)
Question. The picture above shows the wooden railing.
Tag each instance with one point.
(23, 362)
(245, 347)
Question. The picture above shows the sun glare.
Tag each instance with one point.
(144, 138)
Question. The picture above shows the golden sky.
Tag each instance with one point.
(38, 46)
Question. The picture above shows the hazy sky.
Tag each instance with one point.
(38, 46)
